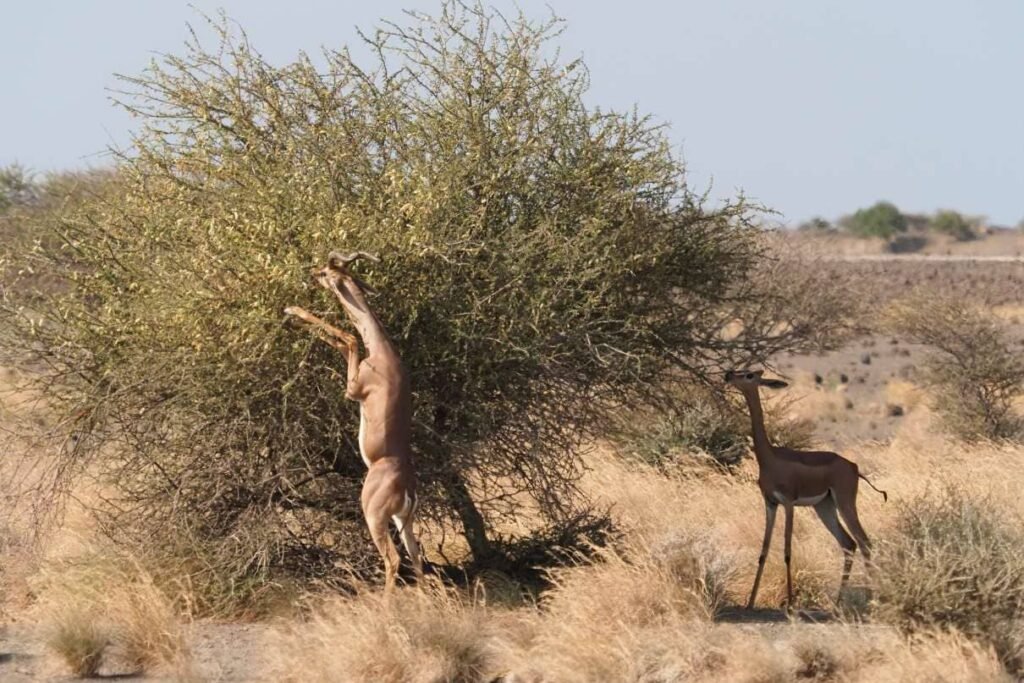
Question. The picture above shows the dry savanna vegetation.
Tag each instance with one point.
(180, 477)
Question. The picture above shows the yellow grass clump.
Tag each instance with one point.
(99, 611)
(415, 635)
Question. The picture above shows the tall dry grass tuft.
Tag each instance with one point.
(596, 617)
(871, 654)
(101, 611)
(682, 576)
(433, 633)
(701, 652)
(954, 561)
(77, 639)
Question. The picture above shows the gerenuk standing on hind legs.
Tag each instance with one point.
(381, 386)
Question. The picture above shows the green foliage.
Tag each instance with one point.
(881, 220)
(28, 204)
(954, 562)
(975, 371)
(542, 262)
(952, 223)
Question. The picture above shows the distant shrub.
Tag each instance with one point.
(816, 224)
(974, 370)
(952, 223)
(954, 561)
(17, 186)
(29, 205)
(881, 220)
(907, 244)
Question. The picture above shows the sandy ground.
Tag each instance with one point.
(854, 394)
(221, 652)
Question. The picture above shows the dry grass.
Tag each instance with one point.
(728, 653)
(78, 640)
(904, 394)
(581, 635)
(954, 561)
(644, 609)
(434, 634)
(1012, 313)
(97, 611)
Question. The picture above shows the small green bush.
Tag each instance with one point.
(952, 223)
(881, 220)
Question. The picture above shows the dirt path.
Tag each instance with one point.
(228, 653)
(924, 258)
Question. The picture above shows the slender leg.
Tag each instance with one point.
(313, 321)
(412, 546)
(340, 340)
(848, 511)
(353, 389)
(375, 504)
(788, 509)
(386, 547)
(826, 510)
(770, 508)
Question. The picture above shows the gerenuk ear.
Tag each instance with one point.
(773, 383)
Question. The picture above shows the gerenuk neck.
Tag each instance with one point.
(762, 447)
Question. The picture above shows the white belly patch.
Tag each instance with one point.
(812, 500)
(362, 437)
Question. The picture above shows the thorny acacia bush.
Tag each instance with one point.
(28, 204)
(974, 369)
(955, 562)
(542, 261)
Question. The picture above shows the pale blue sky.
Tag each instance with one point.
(814, 107)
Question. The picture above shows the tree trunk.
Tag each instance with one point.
(473, 526)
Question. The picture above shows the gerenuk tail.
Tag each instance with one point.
(885, 496)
